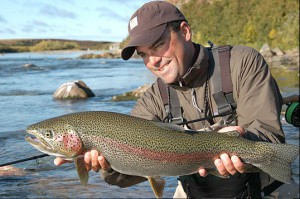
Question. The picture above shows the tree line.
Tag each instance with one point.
(240, 22)
(33, 45)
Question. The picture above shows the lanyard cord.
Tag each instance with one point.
(205, 118)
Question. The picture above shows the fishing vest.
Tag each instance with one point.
(222, 86)
(222, 93)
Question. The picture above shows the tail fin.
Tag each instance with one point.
(279, 165)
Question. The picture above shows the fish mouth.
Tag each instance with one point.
(38, 142)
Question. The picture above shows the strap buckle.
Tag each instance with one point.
(225, 109)
(176, 120)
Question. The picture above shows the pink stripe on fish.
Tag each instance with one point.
(158, 155)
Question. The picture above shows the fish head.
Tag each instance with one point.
(60, 140)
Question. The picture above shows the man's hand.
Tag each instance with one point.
(93, 160)
(227, 165)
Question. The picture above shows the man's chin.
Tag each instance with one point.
(168, 80)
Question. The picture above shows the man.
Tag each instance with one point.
(161, 35)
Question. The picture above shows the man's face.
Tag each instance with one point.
(168, 57)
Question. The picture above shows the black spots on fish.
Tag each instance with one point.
(74, 143)
(261, 150)
(56, 139)
(67, 141)
(82, 136)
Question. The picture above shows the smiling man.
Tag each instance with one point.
(165, 57)
(161, 35)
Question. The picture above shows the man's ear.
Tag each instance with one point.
(186, 30)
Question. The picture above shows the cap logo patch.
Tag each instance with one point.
(133, 23)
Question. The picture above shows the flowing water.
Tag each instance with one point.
(26, 98)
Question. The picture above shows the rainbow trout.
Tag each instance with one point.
(139, 147)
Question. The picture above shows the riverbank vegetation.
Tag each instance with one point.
(238, 22)
(33, 45)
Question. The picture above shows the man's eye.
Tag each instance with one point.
(142, 54)
(158, 45)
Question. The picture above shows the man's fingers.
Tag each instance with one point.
(103, 163)
(238, 164)
(203, 172)
(87, 160)
(60, 161)
(239, 129)
(220, 167)
(95, 162)
(227, 164)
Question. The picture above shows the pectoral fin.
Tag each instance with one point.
(157, 185)
(81, 170)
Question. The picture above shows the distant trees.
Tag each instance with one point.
(240, 22)
(54, 45)
(12, 49)
(27, 45)
(33, 45)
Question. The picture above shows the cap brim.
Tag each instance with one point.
(147, 37)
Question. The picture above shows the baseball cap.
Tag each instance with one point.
(148, 23)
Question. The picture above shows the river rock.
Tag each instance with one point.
(131, 95)
(30, 66)
(105, 55)
(73, 90)
(277, 51)
(266, 51)
(10, 170)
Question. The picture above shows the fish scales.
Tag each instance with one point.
(150, 132)
(140, 147)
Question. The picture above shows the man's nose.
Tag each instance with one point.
(155, 60)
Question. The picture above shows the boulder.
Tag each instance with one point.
(10, 170)
(73, 90)
(105, 55)
(30, 66)
(266, 51)
(277, 51)
(131, 95)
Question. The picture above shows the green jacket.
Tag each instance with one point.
(255, 92)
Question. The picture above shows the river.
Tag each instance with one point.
(26, 98)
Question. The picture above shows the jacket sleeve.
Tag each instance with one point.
(146, 107)
(112, 177)
(257, 96)
(149, 106)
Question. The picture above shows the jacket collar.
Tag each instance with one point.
(197, 73)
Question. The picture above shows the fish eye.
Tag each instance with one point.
(48, 133)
